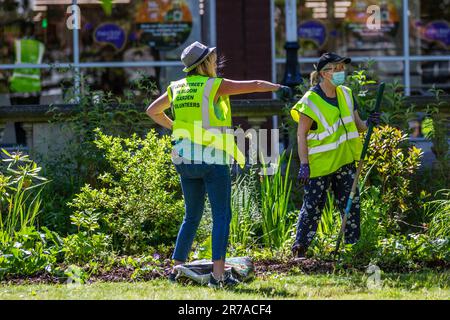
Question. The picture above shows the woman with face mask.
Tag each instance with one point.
(328, 144)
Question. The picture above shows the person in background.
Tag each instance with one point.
(199, 103)
(328, 145)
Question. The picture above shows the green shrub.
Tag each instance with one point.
(30, 251)
(392, 163)
(80, 161)
(138, 201)
(410, 251)
(82, 248)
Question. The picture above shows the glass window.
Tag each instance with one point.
(429, 27)
(385, 70)
(425, 74)
(32, 33)
(341, 26)
(119, 80)
(143, 30)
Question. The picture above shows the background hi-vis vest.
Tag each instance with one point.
(198, 118)
(336, 140)
(27, 80)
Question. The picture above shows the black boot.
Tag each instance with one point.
(298, 251)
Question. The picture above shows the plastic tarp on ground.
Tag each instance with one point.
(242, 268)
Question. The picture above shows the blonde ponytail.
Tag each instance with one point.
(314, 78)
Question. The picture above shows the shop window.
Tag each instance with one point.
(429, 27)
(341, 26)
(32, 33)
(149, 30)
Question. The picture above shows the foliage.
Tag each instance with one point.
(277, 222)
(438, 211)
(20, 190)
(83, 247)
(246, 216)
(29, 251)
(327, 230)
(437, 132)
(138, 201)
(23, 248)
(410, 251)
(79, 161)
(394, 164)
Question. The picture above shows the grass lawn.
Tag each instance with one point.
(423, 285)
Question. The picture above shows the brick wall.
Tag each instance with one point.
(244, 38)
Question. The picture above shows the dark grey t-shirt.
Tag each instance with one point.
(333, 101)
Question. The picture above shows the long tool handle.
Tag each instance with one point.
(379, 97)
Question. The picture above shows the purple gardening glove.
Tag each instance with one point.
(303, 173)
(374, 119)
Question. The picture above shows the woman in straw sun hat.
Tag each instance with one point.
(202, 151)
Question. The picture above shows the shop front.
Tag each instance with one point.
(111, 48)
(411, 42)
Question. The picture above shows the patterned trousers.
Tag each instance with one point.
(314, 201)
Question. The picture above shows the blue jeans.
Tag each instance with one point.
(196, 181)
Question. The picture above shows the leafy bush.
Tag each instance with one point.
(410, 251)
(392, 164)
(138, 201)
(30, 251)
(80, 161)
(83, 247)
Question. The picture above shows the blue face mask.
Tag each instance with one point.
(338, 78)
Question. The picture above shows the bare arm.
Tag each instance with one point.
(360, 124)
(232, 87)
(156, 111)
(304, 125)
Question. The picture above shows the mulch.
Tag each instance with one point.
(263, 268)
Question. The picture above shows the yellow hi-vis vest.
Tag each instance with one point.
(27, 79)
(336, 140)
(198, 118)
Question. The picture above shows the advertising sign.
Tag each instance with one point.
(163, 24)
(313, 30)
(111, 34)
(438, 31)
